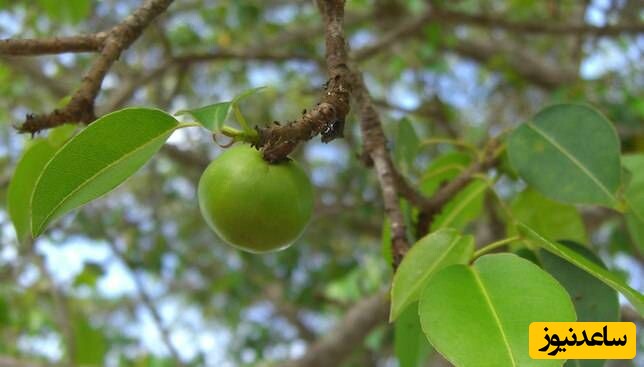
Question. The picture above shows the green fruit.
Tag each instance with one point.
(252, 204)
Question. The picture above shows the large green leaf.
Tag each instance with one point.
(479, 315)
(463, 207)
(593, 300)
(430, 254)
(554, 220)
(97, 160)
(410, 344)
(532, 237)
(569, 153)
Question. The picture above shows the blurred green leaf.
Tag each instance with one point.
(23, 183)
(410, 345)
(463, 207)
(553, 220)
(90, 345)
(407, 144)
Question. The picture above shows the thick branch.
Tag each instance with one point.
(358, 322)
(120, 37)
(54, 45)
(327, 117)
(375, 145)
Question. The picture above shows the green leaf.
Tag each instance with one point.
(97, 160)
(427, 256)
(634, 297)
(554, 220)
(636, 229)
(407, 144)
(593, 300)
(212, 117)
(462, 208)
(482, 312)
(569, 153)
(410, 345)
(22, 185)
(442, 169)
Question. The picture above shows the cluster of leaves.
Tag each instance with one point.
(474, 306)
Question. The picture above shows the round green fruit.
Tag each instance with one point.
(254, 205)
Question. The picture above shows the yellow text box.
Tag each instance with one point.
(582, 340)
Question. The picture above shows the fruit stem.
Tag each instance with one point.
(248, 136)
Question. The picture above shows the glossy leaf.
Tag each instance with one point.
(410, 344)
(634, 297)
(427, 256)
(212, 117)
(97, 160)
(462, 208)
(569, 153)
(477, 313)
(554, 220)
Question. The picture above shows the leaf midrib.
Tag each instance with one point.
(85, 182)
(488, 301)
(572, 158)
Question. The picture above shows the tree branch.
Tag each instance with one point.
(120, 37)
(358, 322)
(327, 117)
(54, 45)
(432, 206)
(375, 145)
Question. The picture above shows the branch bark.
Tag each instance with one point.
(327, 117)
(358, 322)
(375, 145)
(53, 45)
(120, 37)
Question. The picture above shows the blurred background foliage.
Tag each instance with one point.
(137, 279)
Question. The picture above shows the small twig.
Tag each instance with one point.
(148, 303)
(432, 206)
